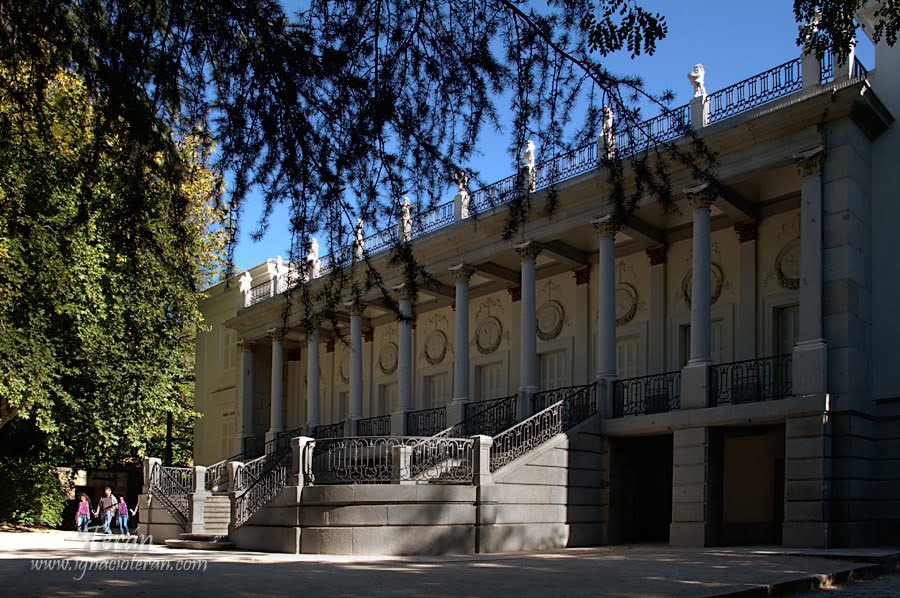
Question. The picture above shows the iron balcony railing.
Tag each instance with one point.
(487, 417)
(257, 490)
(329, 431)
(374, 426)
(644, 395)
(543, 399)
(433, 219)
(544, 425)
(426, 422)
(755, 91)
(751, 380)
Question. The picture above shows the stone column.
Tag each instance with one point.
(244, 410)
(196, 523)
(811, 352)
(528, 357)
(657, 325)
(457, 407)
(746, 306)
(695, 376)
(606, 229)
(404, 362)
(356, 370)
(696, 487)
(276, 425)
(312, 379)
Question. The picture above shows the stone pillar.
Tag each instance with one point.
(811, 352)
(356, 369)
(606, 229)
(244, 407)
(482, 475)
(400, 462)
(404, 362)
(696, 487)
(807, 482)
(583, 317)
(656, 328)
(312, 379)
(695, 376)
(149, 464)
(456, 409)
(528, 357)
(198, 501)
(301, 447)
(233, 467)
(810, 70)
(746, 305)
(276, 425)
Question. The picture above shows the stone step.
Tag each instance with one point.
(200, 545)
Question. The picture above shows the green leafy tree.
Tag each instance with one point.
(103, 249)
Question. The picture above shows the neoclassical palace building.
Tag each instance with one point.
(580, 386)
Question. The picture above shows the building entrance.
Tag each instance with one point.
(641, 488)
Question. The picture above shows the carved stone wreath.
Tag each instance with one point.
(626, 303)
(550, 319)
(718, 278)
(488, 334)
(387, 359)
(344, 370)
(787, 266)
(435, 347)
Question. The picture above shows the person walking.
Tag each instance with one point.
(123, 517)
(83, 515)
(107, 506)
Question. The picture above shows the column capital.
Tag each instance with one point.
(657, 254)
(246, 346)
(701, 196)
(356, 308)
(810, 162)
(462, 272)
(528, 249)
(582, 275)
(404, 291)
(606, 226)
(747, 230)
(276, 334)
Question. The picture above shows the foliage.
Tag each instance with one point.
(30, 489)
(104, 247)
(832, 24)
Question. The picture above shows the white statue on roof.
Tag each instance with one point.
(358, 241)
(528, 155)
(461, 201)
(246, 283)
(696, 77)
(406, 220)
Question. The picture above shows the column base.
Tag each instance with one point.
(398, 423)
(810, 367)
(456, 411)
(350, 426)
(695, 385)
(605, 397)
(524, 409)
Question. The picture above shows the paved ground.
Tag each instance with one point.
(882, 587)
(55, 563)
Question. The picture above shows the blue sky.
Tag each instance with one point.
(733, 40)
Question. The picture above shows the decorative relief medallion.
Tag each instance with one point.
(344, 369)
(550, 320)
(715, 289)
(787, 266)
(488, 334)
(626, 303)
(387, 359)
(435, 347)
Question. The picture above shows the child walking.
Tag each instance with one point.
(123, 517)
(83, 515)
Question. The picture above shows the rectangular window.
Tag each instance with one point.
(437, 391)
(787, 329)
(388, 398)
(552, 370)
(228, 345)
(627, 354)
(489, 378)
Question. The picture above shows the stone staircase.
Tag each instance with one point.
(216, 517)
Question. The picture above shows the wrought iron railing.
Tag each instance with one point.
(544, 425)
(374, 426)
(543, 399)
(494, 194)
(260, 292)
(826, 68)
(487, 417)
(426, 422)
(667, 126)
(264, 487)
(446, 460)
(356, 460)
(656, 393)
(217, 473)
(759, 89)
(434, 219)
(859, 71)
(752, 380)
(173, 487)
(380, 240)
(566, 165)
(329, 431)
